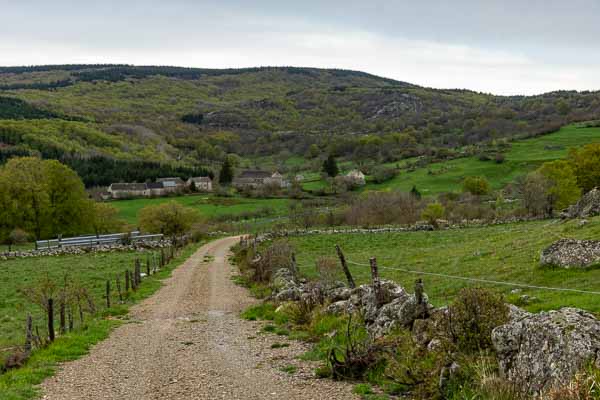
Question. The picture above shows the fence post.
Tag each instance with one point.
(107, 294)
(133, 281)
(375, 280)
(60, 241)
(349, 277)
(127, 283)
(63, 323)
(118, 281)
(28, 334)
(51, 320)
(294, 265)
(70, 317)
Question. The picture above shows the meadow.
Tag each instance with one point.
(507, 252)
(89, 270)
(207, 206)
(523, 156)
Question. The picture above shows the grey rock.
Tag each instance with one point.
(539, 351)
(587, 206)
(568, 253)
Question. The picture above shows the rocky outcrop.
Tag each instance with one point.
(587, 206)
(538, 351)
(568, 253)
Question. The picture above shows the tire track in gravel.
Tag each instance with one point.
(188, 342)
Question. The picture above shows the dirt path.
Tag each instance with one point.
(188, 342)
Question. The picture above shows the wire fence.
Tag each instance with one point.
(367, 272)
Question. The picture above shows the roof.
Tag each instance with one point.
(355, 172)
(155, 185)
(176, 179)
(128, 186)
(169, 184)
(254, 173)
(199, 179)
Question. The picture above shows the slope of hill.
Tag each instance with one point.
(196, 116)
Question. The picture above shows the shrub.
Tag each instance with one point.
(328, 270)
(380, 208)
(476, 185)
(383, 174)
(277, 255)
(432, 213)
(472, 317)
(171, 219)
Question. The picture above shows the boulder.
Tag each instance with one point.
(539, 351)
(401, 312)
(285, 287)
(587, 206)
(568, 253)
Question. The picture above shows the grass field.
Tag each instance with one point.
(505, 252)
(523, 157)
(207, 205)
(90, 270)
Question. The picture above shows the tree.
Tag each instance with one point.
(534, 190)
(226, 173)
(415, 192)
(193, 188)
(330, 166)
(105, 219)
(432, 213)
(562, 188)
(43, 197)
(586, 165)
(171, 219)
(476, 185)
(17, 236)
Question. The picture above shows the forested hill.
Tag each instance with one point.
(190, 117)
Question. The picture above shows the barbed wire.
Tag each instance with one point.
(479, 280)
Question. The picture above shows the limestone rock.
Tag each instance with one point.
(571, 253)
(587, 206)
(546, 349)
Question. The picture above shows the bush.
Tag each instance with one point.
(472, 317)
(381, 208)
(476, 185)
(277, 255)
(432, 213)
(382, 174)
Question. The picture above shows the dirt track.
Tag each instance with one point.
(188, 342)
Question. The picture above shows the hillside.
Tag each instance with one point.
(190, 117)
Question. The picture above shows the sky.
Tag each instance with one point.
(501, 47)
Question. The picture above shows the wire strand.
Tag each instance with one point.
(480, 280)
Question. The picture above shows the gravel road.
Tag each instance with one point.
(188, 342)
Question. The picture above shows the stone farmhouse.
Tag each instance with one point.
(253, 179)
(356, 177)
(201, 183)
(162, 187)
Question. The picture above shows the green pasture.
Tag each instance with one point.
(508, 253)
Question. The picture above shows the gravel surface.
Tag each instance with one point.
(188, 342)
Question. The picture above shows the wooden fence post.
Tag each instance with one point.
(63, 323)
(349, 277)
(133, 281)
(107, 294)
(127, 281)
(118, 281)
(147, 265)
(375, 280)
(70, 317)
(28, 335)
(51, 320)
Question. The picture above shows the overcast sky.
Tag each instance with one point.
(502, 47)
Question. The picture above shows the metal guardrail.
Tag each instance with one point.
(93, 240)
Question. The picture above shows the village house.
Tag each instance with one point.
(155, 189)
(257, 178)
(127, 190)
(201, 183)
(356, 177)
